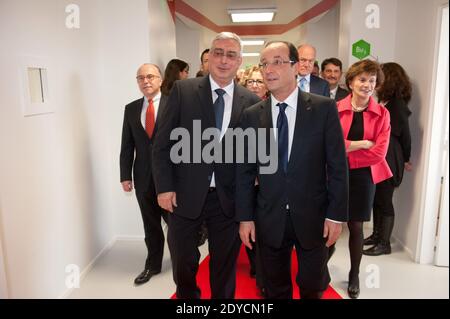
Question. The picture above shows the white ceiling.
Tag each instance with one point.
(217, 12)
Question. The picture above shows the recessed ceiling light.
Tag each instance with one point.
(252, 15)
(253, 42)
(250, 54)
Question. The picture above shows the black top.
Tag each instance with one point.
(399, 150)
(356, 132)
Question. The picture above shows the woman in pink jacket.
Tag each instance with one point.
(366, 127)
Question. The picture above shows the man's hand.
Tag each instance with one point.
(167, 201)
(331, 230)
(247, 232)
(127, 186)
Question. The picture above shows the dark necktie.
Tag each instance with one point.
(219, 106)
(283, 136)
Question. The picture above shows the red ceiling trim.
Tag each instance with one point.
(171, 5)
(265, 29)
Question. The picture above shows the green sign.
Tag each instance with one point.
(361, 49)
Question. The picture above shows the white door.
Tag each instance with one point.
(3, 283)
(442, 247)
(442, 237)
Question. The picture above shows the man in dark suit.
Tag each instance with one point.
(196, 190)
(332, 72)
(306, 81)
(304, 202)
(139, 126)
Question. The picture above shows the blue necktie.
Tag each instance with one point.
(219, 106)
(303, 84)
(283, 136)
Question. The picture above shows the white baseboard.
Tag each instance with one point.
(86, 270)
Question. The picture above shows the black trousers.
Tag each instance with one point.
(154, 235)
(312, 277)
(223, 243)
(382, 204)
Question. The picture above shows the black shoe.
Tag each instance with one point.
(261, 291)
(145, 276)
(353, 286)
(381, 248)
(372, 239)
(310, 294)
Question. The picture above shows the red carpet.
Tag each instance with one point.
(246, 286)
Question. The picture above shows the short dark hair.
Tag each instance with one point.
(293, 53)
(203, 53)
(334, 61)
(364, 66)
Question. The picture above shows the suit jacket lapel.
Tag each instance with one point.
(265, 121)
(237, 107)
(161, 107)
(205, 97)
(302, 122)
(137, 115)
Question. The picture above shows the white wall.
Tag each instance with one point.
(324, 34)
(3, 282)
(61, 198)
(188, 46)
(382, 39)
(161, 33)
(415, 50)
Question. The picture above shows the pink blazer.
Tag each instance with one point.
(377, 128)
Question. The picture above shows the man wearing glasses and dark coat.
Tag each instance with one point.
(139, 126)
(198, 191)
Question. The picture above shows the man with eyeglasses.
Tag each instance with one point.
(308, 82)
(194, 192)
(140, 122)
(304, 202)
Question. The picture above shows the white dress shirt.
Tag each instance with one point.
(228, 99)
(307, 83)
(333, 93)
(156, 100)
(291, 114)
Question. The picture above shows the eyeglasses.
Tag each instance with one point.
(251, 82)
(149, 77)
(304, 61)
(220, 53)
(275, 63)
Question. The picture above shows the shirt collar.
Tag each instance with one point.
(334, 91)
(214, 86)
(291, 100)
(346, 105)
(307, 77)
(155, 99)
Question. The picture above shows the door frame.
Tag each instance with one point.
(433, 172)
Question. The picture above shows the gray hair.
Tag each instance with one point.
(228, 36)
(305, 45)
